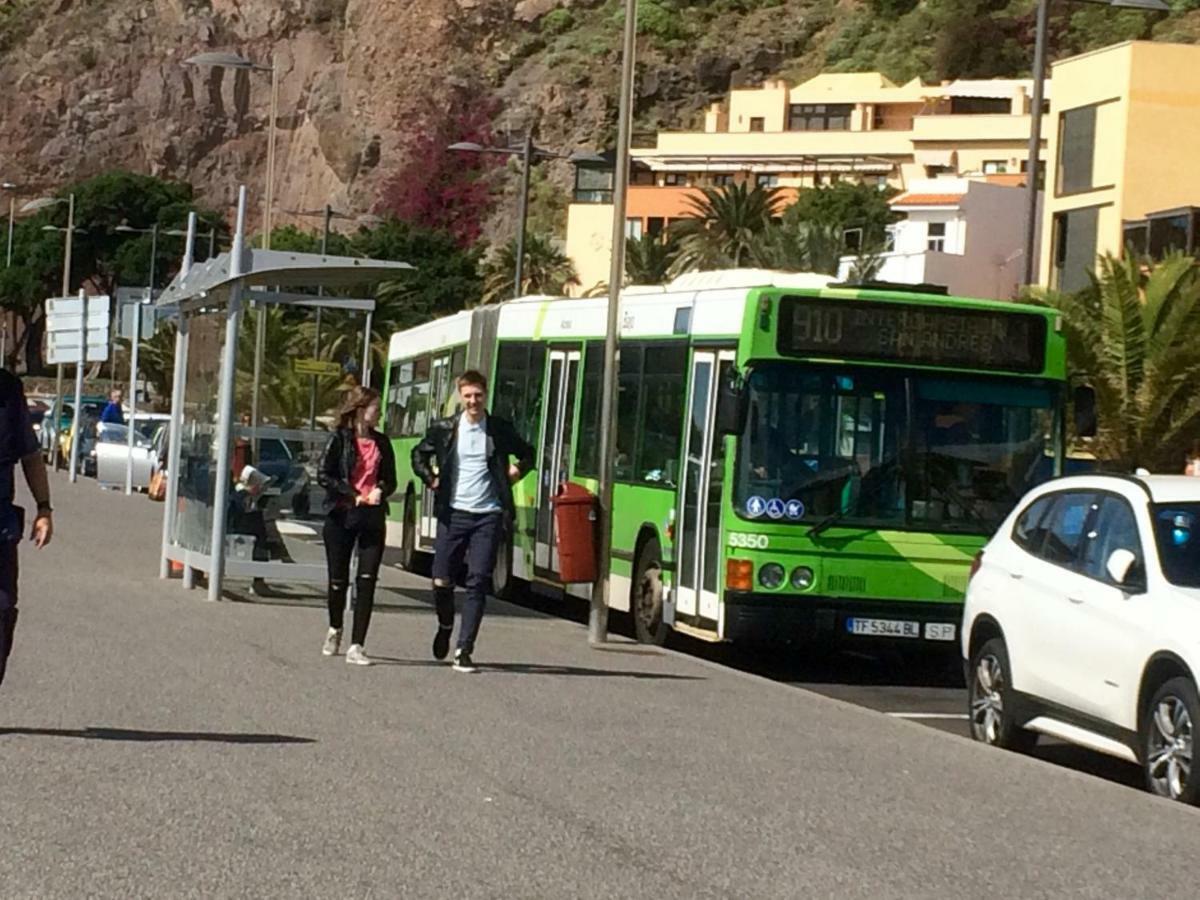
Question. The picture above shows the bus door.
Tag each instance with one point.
(441, 379)
(554, 455)
(698, 548)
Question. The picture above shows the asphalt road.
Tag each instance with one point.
(152, 744)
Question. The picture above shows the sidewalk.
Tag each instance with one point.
(153, 744)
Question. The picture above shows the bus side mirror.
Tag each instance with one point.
(731, 405)
(1083, 398)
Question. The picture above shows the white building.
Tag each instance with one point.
(962, 233)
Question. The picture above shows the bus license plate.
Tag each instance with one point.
(883, 628)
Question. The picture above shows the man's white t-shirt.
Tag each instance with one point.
(474, 491)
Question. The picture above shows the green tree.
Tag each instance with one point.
(1131, 335)
(546, 270)
(648, 259)
(723, 227)
(845, 205)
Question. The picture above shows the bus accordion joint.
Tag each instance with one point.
(739, 574)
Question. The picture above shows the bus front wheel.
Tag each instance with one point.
(646, 604)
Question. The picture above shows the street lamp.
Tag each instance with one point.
(529, 155)
(328, 214)
(1035, 114)
(35, 206)
(212, 238)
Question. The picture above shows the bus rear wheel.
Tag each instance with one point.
(408, 534)
(502, 576)
(646, 602)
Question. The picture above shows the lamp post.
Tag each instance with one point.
(135, 342)
(328, 214)
(34, 206)
(1035, 116)
(529, 154)
(234, 61)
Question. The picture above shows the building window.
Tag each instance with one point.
(764, 180)
(1076, 150)
(1135, 238)
(633, 229)
(758, 123)
(655, 225)
(643, 177)
(1074, 247)
(1170, 232)
(819, 116)
(980, 106)
(1041, 172)
(936, 237)
(722, 179)
(995, 166)
(676, 179)
(593, 185)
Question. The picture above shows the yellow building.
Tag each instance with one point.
(837, 126)
(1124, 131)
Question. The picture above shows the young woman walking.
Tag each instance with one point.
(358, 473)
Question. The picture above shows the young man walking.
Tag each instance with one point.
(465, 460)
(17, 444)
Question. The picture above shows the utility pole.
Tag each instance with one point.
(523, 212)
(312, 396)
(598, 613)
(58, 369)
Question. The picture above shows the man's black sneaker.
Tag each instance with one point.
(462, 662)
(441, 641)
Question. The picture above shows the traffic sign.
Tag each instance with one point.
(65, 326)
(316, 367)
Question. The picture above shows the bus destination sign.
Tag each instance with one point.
(920, 335)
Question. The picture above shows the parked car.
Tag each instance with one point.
(56, 424)
(1082, 621)
(110, 452)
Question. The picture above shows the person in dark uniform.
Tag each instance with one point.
(17, 445)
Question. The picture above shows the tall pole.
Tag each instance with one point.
(312, 395)
(366, 366)
(212, 243)
(598, 613)
(523, 212)
(66, 288)
(135, 345)
(1035, 142)
(12, 213)
(77, 424)
(178, 386)
(221, 478)
(260, 319)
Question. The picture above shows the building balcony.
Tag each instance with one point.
(779, 144)
(963, 129)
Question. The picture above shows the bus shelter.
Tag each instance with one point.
(251, 414)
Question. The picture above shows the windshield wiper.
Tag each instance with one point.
(835, 517)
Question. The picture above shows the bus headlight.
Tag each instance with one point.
(802, 578)
(771, 576)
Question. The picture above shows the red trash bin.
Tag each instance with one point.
(575, 527)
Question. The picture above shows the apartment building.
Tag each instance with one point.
(1124, 129)
(853, 126)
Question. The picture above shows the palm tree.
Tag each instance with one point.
(724, 226)
(794, 245)
(1132, 336)
(648, 259)
(546, 270)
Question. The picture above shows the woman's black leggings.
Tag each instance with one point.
(343, 528)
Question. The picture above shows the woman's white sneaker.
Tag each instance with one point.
(356, 657)
(333, 643)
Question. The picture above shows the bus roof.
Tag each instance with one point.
(700, 304)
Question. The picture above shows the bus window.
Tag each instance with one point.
(587, 457)
(417, 411)
(650, 404)
(517, 392)
(399, 390)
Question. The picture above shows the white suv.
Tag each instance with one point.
(1082, 621)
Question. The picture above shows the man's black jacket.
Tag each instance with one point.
(337, 466)
(436, 458)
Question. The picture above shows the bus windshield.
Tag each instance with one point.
(891, 448)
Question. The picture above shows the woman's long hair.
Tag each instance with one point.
(356, 398)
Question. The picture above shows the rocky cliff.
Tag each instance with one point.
(88, 86)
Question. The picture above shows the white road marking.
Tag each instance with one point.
(923, 715)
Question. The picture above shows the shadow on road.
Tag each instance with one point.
(139, 736)
(543, 669)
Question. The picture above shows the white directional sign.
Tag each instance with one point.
(64, 329)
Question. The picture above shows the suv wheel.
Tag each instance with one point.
(1167, 741)
(989, 689)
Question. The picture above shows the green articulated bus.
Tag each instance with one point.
(793, 457)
